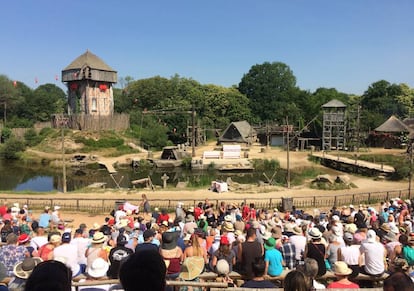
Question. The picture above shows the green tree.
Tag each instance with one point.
(271, 89)
(42, 103)
(379, 102)
(406, 99)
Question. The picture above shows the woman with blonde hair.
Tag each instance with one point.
(96, 250)
(195, 249)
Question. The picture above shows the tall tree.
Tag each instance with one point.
(270, 88)
(379, 102)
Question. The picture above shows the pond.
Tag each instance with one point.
(15, 176)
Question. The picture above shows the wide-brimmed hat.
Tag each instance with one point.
(266, 235)
(98, 237)
(191, 268)
(270, 244)
(351, 227)
(169, 241)
(98, 268)
(228, 218)
(315, 233)
(228, 226)
(189, 218)
(191, 209)
(342, 269)
(24, 268)
(222, 267)
(95, 226)
(385, 227)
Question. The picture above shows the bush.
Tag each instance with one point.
(32, 138)
(110, 142)
(6, 133)
(12, 149)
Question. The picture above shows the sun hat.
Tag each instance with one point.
(266, 235)
(191, 209)
(24, 268)
(189, 218)
(98, 268)
(95, 226)
(56, 207)
(169, 241)
(270, 244)
(228, 218)
(390, 236)
(55, 238)
(98, 237)
(371, 236)
(191, 268)
(335, 218)
(222, 267)
(224, 240)
(351, 227)
(336, 230)
(341, 269)
(315, 233)
(255, 224)
(228, 226)
(23, 238)
(385, 227)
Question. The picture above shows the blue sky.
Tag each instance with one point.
(345, 44)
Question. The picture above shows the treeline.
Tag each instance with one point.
(266, 93)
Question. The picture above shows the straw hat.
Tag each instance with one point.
(222, 267)
(385, 227)
(192, 267)
(351, 227)
(228, 226)
(55, 238)
(228, 218)
(266, 235)
(315, 233)
(98, 237)
(342, 269)
(98, 268)
(24, 269)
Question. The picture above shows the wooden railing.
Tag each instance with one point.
(106, 205)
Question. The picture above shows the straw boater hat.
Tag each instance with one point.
(315, 233)
(55, 238)
(228, 226)
(192, 267)
(228, 218)
(342, 269)
(23, 269)
(266, 235)
(98, 268)
(98, 237)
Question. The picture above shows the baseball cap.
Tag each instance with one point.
(66, 237)
(148, 233)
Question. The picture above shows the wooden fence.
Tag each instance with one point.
(105, 205)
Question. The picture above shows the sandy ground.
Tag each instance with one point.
(297, 160)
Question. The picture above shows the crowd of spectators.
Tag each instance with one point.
(263, 247)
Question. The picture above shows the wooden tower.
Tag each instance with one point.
(89, 81)
(334, 125)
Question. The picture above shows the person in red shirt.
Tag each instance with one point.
(342, 271)
(163, 216)
(245, 212)
(198, 211)
(3, 209)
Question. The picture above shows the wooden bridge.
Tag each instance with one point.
(109, 166)
(353, 165)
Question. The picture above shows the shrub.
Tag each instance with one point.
(12, 149)
(6, 133)
(32, 138)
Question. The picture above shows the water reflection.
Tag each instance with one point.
(17, 176)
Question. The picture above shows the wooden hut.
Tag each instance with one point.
(393, 133)
(240, 132)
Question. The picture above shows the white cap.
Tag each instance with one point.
(56, 207)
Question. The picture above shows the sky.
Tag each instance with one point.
(342, 44)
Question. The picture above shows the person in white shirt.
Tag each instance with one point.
(68, 254)
(375, 255)
(81, 241)
(299, 241)
(39, 239)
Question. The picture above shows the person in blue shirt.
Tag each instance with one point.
(273, 258)
(44, 218)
